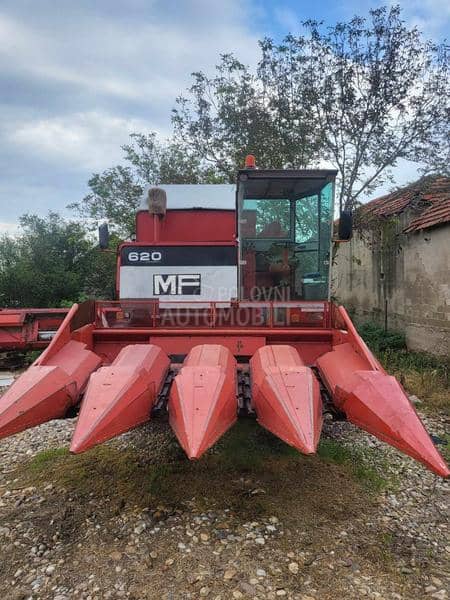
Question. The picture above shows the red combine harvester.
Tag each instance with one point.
(224, 310)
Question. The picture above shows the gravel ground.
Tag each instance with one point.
(330, 539)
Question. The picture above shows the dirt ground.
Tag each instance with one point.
(253, 519)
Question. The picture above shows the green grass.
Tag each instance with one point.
(46, 458)
(444, 448)
(390, 347)
(380, 340)
(245, 452)
(356, 460)
(247, 446)
(334, 452)
(387, 538)
(422, 374)
(93, 471)
(245, 459)
(242, 451)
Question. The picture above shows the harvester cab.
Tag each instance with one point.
(223, 310)
(284, 230)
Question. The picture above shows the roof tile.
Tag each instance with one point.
(429, 195)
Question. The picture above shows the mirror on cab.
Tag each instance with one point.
(345, 228)
(103, 236)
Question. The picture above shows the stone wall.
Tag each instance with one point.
(404, 278)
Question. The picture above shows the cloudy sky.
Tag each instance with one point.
(78, 76)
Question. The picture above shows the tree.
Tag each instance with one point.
(360, 95)
(231, 114)
(115, 193)
(50, 262)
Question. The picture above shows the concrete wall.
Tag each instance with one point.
(409, 274)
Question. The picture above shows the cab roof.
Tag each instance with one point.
(283, 183)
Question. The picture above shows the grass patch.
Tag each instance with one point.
(249, 471)
(380, 340)
(98, 471)
(334, 451)
(243, 451)
(387, 538)
(356, 460)
(246, 458)
(422, 374)
(444, 448)
(46, 459)
(247, 446)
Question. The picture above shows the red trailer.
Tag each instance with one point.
(29, 328)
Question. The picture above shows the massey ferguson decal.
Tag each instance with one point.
(178, 272)
(177, 285)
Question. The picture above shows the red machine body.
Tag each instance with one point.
(190, 225)
(29, 328)
(215, 300)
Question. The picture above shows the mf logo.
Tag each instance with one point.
(176, 285)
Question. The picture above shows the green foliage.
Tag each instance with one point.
(52, 263)
(224, 117)
(419, 361)
(114, 196)
(31, 356)
(361, 94)
(380, 340)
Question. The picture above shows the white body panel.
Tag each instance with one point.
(216, 283)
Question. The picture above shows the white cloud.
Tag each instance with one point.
(90, 140)
(148, 60)
(8, 228)
(78, 79)
(432, 17)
